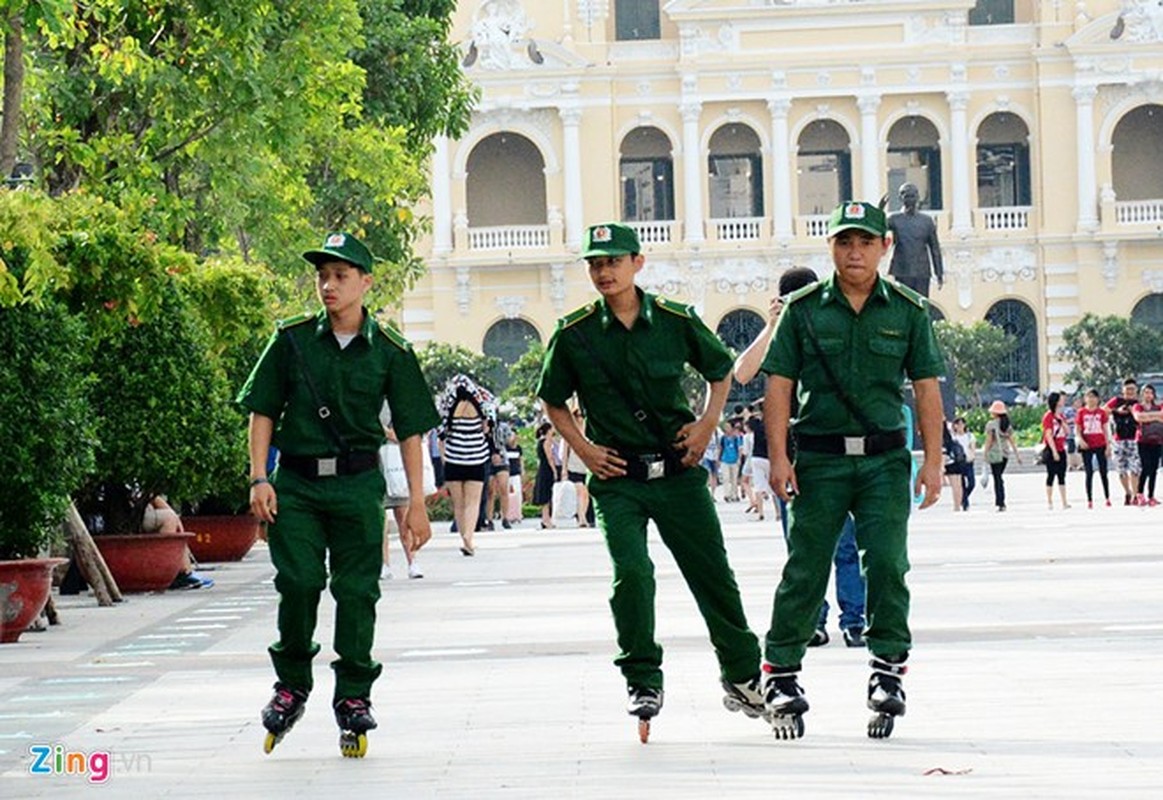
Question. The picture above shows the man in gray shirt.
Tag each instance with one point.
(915, 245)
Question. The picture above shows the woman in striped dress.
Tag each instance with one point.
(465, 453)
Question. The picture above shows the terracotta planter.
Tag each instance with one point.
(24, 589)
(143, 562)
(221, 538)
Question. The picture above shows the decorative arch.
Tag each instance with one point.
(1018, 110)
(851, 127)
(1115, 114)
(1149, 311)
(646, 175)
(508, 164)
(912, 162)
(508, 339)
(1016, 317)
(486, 129)
(669, 130)
(737, 329)
(1136, 173)
(925, 113)
(756, 126)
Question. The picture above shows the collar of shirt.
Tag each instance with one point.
(831, 293)
(366, 329)
(645, 310)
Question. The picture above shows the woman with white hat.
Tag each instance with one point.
(999, 433)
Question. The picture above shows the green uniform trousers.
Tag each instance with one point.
(682, 509)
(335, 522)
(876, 490)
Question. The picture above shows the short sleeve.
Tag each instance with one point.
(709, 356)
(557, 382)
(265, 389)
(925, 359)
(784, 356)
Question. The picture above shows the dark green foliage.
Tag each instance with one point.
(1105, 350)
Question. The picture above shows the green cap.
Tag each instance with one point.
(610, 239)
(862, 216)
(341, 247)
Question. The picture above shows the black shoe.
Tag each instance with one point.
(819, 638)
(854, 636)
(505, 524)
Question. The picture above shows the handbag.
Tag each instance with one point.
(393, 466)
(564, 500)
(985, 473)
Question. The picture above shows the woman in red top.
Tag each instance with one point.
(1093, 424)
(1054, 437)
(1150, 418)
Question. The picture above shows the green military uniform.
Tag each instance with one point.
(342, 515)
(649, 357)
(871, 352)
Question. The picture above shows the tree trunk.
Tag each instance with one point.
(90, 562)
(13, 94)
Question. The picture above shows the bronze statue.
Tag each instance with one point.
(915, 245)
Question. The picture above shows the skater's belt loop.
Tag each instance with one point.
(851, 445)
(329, 466)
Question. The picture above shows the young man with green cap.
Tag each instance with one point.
(316, 394)
(623, 356)
(845, 345)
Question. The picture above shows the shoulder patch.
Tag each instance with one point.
(393, 335)
(681, 309)
(913, 297)
(803, 291)
(298, 319)
(577, 315)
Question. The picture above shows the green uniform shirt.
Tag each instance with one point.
(353, 382)
(648, 358)
(871, 353)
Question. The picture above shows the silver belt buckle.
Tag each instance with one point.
(326, 467)
(853, 445)
(655, 469)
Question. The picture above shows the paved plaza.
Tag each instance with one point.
(1035, 673)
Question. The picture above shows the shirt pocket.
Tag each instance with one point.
(891, 349)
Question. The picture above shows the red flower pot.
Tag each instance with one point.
(24, 589)
(221, 538)
(143, 562)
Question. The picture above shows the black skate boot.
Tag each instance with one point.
(746, 697)
(885, 695)
(281, 714)
(354, 717)
(785, 700)
(644, 703)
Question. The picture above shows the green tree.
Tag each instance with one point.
(440, 361)
(1105, 350)
(524, 374)
(973, 353)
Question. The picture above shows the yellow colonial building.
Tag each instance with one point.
(725, 130)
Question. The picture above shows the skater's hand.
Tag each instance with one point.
(783, 478)
(603, 462)
(693, 438)
(264, 502)
(929, 478)
(419, 528)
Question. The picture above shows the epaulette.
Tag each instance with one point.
(803, 291)
(681, 309)
(915, 298)
(393, 335)
(298, 319)
(577, 315)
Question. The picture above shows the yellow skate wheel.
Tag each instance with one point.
(643, 730)
(353, 745)
(269, 743)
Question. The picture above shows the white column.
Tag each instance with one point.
(870, 177)
(693, 173)
(1087, 177)
(441, 198)
(959, 143)
(574, 204)
(780, 169)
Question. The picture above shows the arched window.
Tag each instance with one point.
(506, 182)
(736, 172)
(1136, 169)
(508, 340)
(1003, 161)
(737, 330)
(635, 20)
(647, 172)
(914, 156)
(1149, 311)
(823, 167)
(1017, 319)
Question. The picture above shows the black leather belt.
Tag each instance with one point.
(651, 466)
(838, 445)
(330, 466)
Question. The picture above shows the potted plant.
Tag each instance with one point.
(47, 450)
(165, 426)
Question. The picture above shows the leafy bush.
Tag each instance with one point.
(46, 426)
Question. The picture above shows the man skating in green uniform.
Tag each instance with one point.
(623, 355)
(316, 394)
(847, 344)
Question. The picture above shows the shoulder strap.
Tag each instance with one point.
(847, 400)
(636, 410)
(322, 410)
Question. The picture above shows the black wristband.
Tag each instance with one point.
(257, 481)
